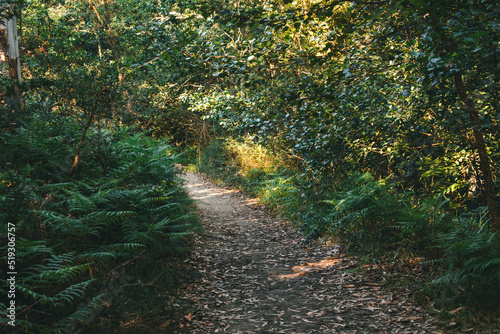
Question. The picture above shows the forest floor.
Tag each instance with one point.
(251, 273)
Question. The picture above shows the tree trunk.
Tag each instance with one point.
(80, 143)
(484, 161)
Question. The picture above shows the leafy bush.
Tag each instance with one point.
(377, 214)
(366, 212)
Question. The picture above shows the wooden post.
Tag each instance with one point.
(10, 62)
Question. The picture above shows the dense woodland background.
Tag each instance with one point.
(372, 122)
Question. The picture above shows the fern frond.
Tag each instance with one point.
(96, 255)
(83, 315)
(30, 293)
(72, 293)
(65, 273)
(80, 203)
(130, 246)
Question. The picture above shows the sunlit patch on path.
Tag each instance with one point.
(311, 267)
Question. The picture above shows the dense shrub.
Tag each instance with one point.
(472, 259)
(87, 241)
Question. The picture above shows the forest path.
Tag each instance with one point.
(254, 276)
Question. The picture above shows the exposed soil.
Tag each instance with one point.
(254, 275)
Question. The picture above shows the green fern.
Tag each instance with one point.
(82, 316)
(72, 293)
(473, 260)
(73, 234)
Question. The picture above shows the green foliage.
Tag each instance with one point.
(372, 214)
(214, 160)
(473, 262)
(334, 89)
(281, 192)
(364, 213)
(74, 230)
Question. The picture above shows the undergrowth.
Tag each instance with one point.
(241, 164)
(378, 219)
(95, 248)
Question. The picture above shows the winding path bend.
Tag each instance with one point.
(255, 276)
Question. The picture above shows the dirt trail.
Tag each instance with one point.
(254, 276)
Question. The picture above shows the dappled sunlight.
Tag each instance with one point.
(194, 185)
(310, 267)
(206, 193)
(252, 201)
